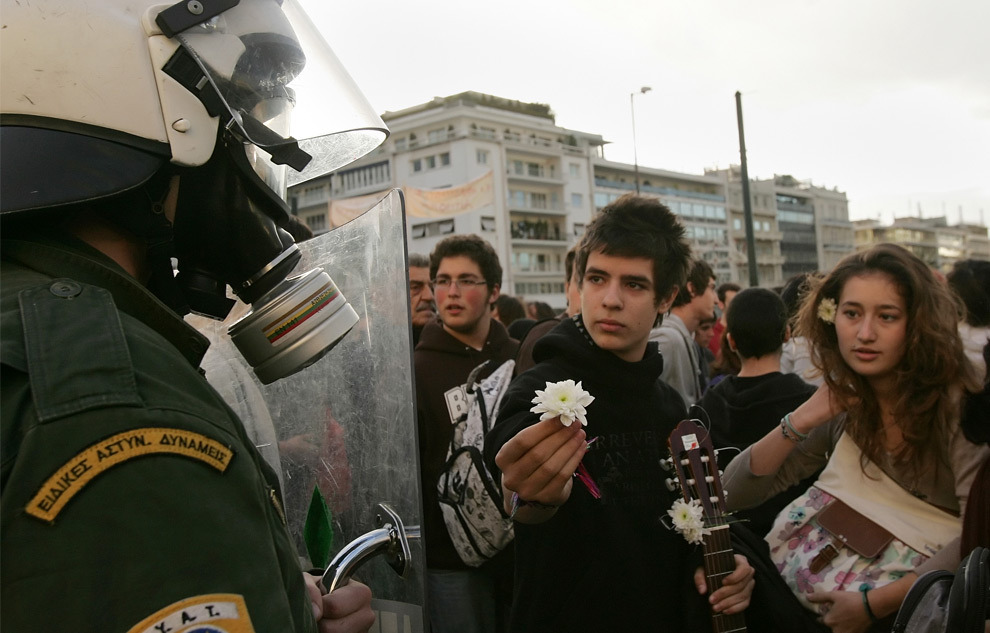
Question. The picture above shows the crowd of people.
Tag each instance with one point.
(135, 498)
(846, 402)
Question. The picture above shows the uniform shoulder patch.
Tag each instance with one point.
(212, 613)
(76, 473)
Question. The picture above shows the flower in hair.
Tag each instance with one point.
(565, 399)
(687, 518)
(826, 310)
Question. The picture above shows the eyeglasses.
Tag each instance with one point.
(444, 283)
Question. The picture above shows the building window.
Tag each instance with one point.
(435, 136)
(444, 159)
(400, 144)
(431, 162)
(430, 229)
(375, 175)
(316, 222)
(578, 229)
(488, 224)
(575, 170)
(417, 165)
(577, 200)
(481, 156)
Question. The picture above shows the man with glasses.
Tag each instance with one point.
(422, 307)
(466, 277)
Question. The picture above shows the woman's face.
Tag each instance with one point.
(871, 325)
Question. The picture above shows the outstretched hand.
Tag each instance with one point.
(736, 590)
(538, 463)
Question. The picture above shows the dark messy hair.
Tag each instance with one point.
(757, 321)
(725, 288)
(794, 291)
(474, 248)
(699, 276)
(569, 263)
(638, 226)
(970, 280)
(509, 309)
(933, 373)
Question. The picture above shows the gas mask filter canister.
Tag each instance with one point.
(298, 322)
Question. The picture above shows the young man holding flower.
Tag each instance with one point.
(592, 553)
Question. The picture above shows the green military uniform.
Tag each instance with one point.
(132, 500)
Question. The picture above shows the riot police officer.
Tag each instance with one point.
(137, 138)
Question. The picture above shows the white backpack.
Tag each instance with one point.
(470, 498)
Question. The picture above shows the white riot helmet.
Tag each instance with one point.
(103, 99)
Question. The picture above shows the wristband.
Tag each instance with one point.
(864, 588)
(785, 423)
(519, 502)
(788, 435)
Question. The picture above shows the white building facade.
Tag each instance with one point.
(474, 163)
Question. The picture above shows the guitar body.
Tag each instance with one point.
(693, 459)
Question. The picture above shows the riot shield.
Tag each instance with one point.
(344, 427)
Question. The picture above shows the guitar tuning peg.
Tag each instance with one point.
(667, 464)
(670, 484)
(704, 459)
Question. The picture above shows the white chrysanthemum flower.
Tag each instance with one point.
(688, 520)
(826, 310)
(565, 399)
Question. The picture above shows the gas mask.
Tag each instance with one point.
(245, 65)
(237, 97)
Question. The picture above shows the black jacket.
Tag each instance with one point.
(604, 564)
(743, 410)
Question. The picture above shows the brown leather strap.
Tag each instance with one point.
(825, 556)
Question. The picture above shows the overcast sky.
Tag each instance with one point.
(888, 100)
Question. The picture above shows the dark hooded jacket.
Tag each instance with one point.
(442, 365)
(743, 410)
(605, 564)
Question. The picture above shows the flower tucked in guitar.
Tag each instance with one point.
(687, 517)
(700, 516)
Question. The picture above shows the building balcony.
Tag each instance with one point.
(845, 247)
(554, 274)
(520, 240)
(759, 236)
(664, 191)
(845, 224)
(541, 179)
(552, 210)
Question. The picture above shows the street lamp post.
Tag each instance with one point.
(632, 109)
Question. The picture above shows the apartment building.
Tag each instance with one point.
(699, 200)
(503, 169)
(933, 240)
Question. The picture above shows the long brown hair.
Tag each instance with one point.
(931, 376)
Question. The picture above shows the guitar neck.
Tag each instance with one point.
(719, 563)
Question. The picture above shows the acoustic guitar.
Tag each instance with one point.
(693, 459)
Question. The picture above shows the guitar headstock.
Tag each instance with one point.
(693, 459)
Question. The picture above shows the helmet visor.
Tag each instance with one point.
(284, 90)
